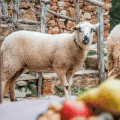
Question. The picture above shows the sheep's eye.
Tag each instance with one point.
(91, 30)
(80, 30)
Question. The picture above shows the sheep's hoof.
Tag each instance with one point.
(12, 100)
(66, 86)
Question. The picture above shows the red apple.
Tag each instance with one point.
(73, 109)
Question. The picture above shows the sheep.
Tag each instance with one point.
(113, 49)
(63, 54)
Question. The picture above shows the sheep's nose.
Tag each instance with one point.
(85, 40)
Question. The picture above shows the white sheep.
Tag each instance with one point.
(113, 48)
(60, 53)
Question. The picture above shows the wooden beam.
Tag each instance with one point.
(15, 12)
(4, 8)
(43, 15)
(61, 16)
(100, 45)
(43, 5)
(28, 22)
(77, 11)
(96, 2)
(40, 83)
(0, 8)
(0, 71)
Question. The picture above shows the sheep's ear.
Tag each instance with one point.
(74, 28)
(96, 26)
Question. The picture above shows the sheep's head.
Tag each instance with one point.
(85, 31)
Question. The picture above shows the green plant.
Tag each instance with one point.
(18, 87)
(105, 54)
(59, 90)
(29, 87)
(86, 66)
(90, 53)
(77, 90)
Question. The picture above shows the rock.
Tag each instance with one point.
(21, 83)
(54, 1)
(89, 8)
(70, 24)
(63, 12)
(61, 24)
(66, 0)
(24, 5)
(26, 77)
(4, 26)
(106, 21)
(28, 16)
(61, 8)
(46, 90)
(106, 28)
(92, 61)
(55, 30)
(50, 16)
(22, 11)
(63, 4)
(72, 12)
(10, 12)
(60, 20)
(21, 93)
(108, 6)
(87, 15)
(37, 6)
(28, 93)
(51, 23)
(55, 7)
(93, 46)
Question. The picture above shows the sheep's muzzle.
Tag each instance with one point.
(85, 40)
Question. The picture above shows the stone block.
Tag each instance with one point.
(24, 5)
(55, 30)
(26, 77)
(87, 15)
(92, 61)
(63, 12)
(61, 8)
(22, 11)
(70, 24)
(46, 90)
(63, 4)
(54, 1)
(10, 12)
(89, 8)
(72, 12)
(61, 24)
(21, 93)
(51, 23)
(47, 82)
(21, 83)
(28, 16)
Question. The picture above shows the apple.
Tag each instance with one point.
(71, 109)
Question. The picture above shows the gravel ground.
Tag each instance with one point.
(6, 100)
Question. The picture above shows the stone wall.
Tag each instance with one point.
(56, 25)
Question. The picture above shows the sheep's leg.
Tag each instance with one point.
(69, 78)
(62, 77)
(12, 85)
(10, 65)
